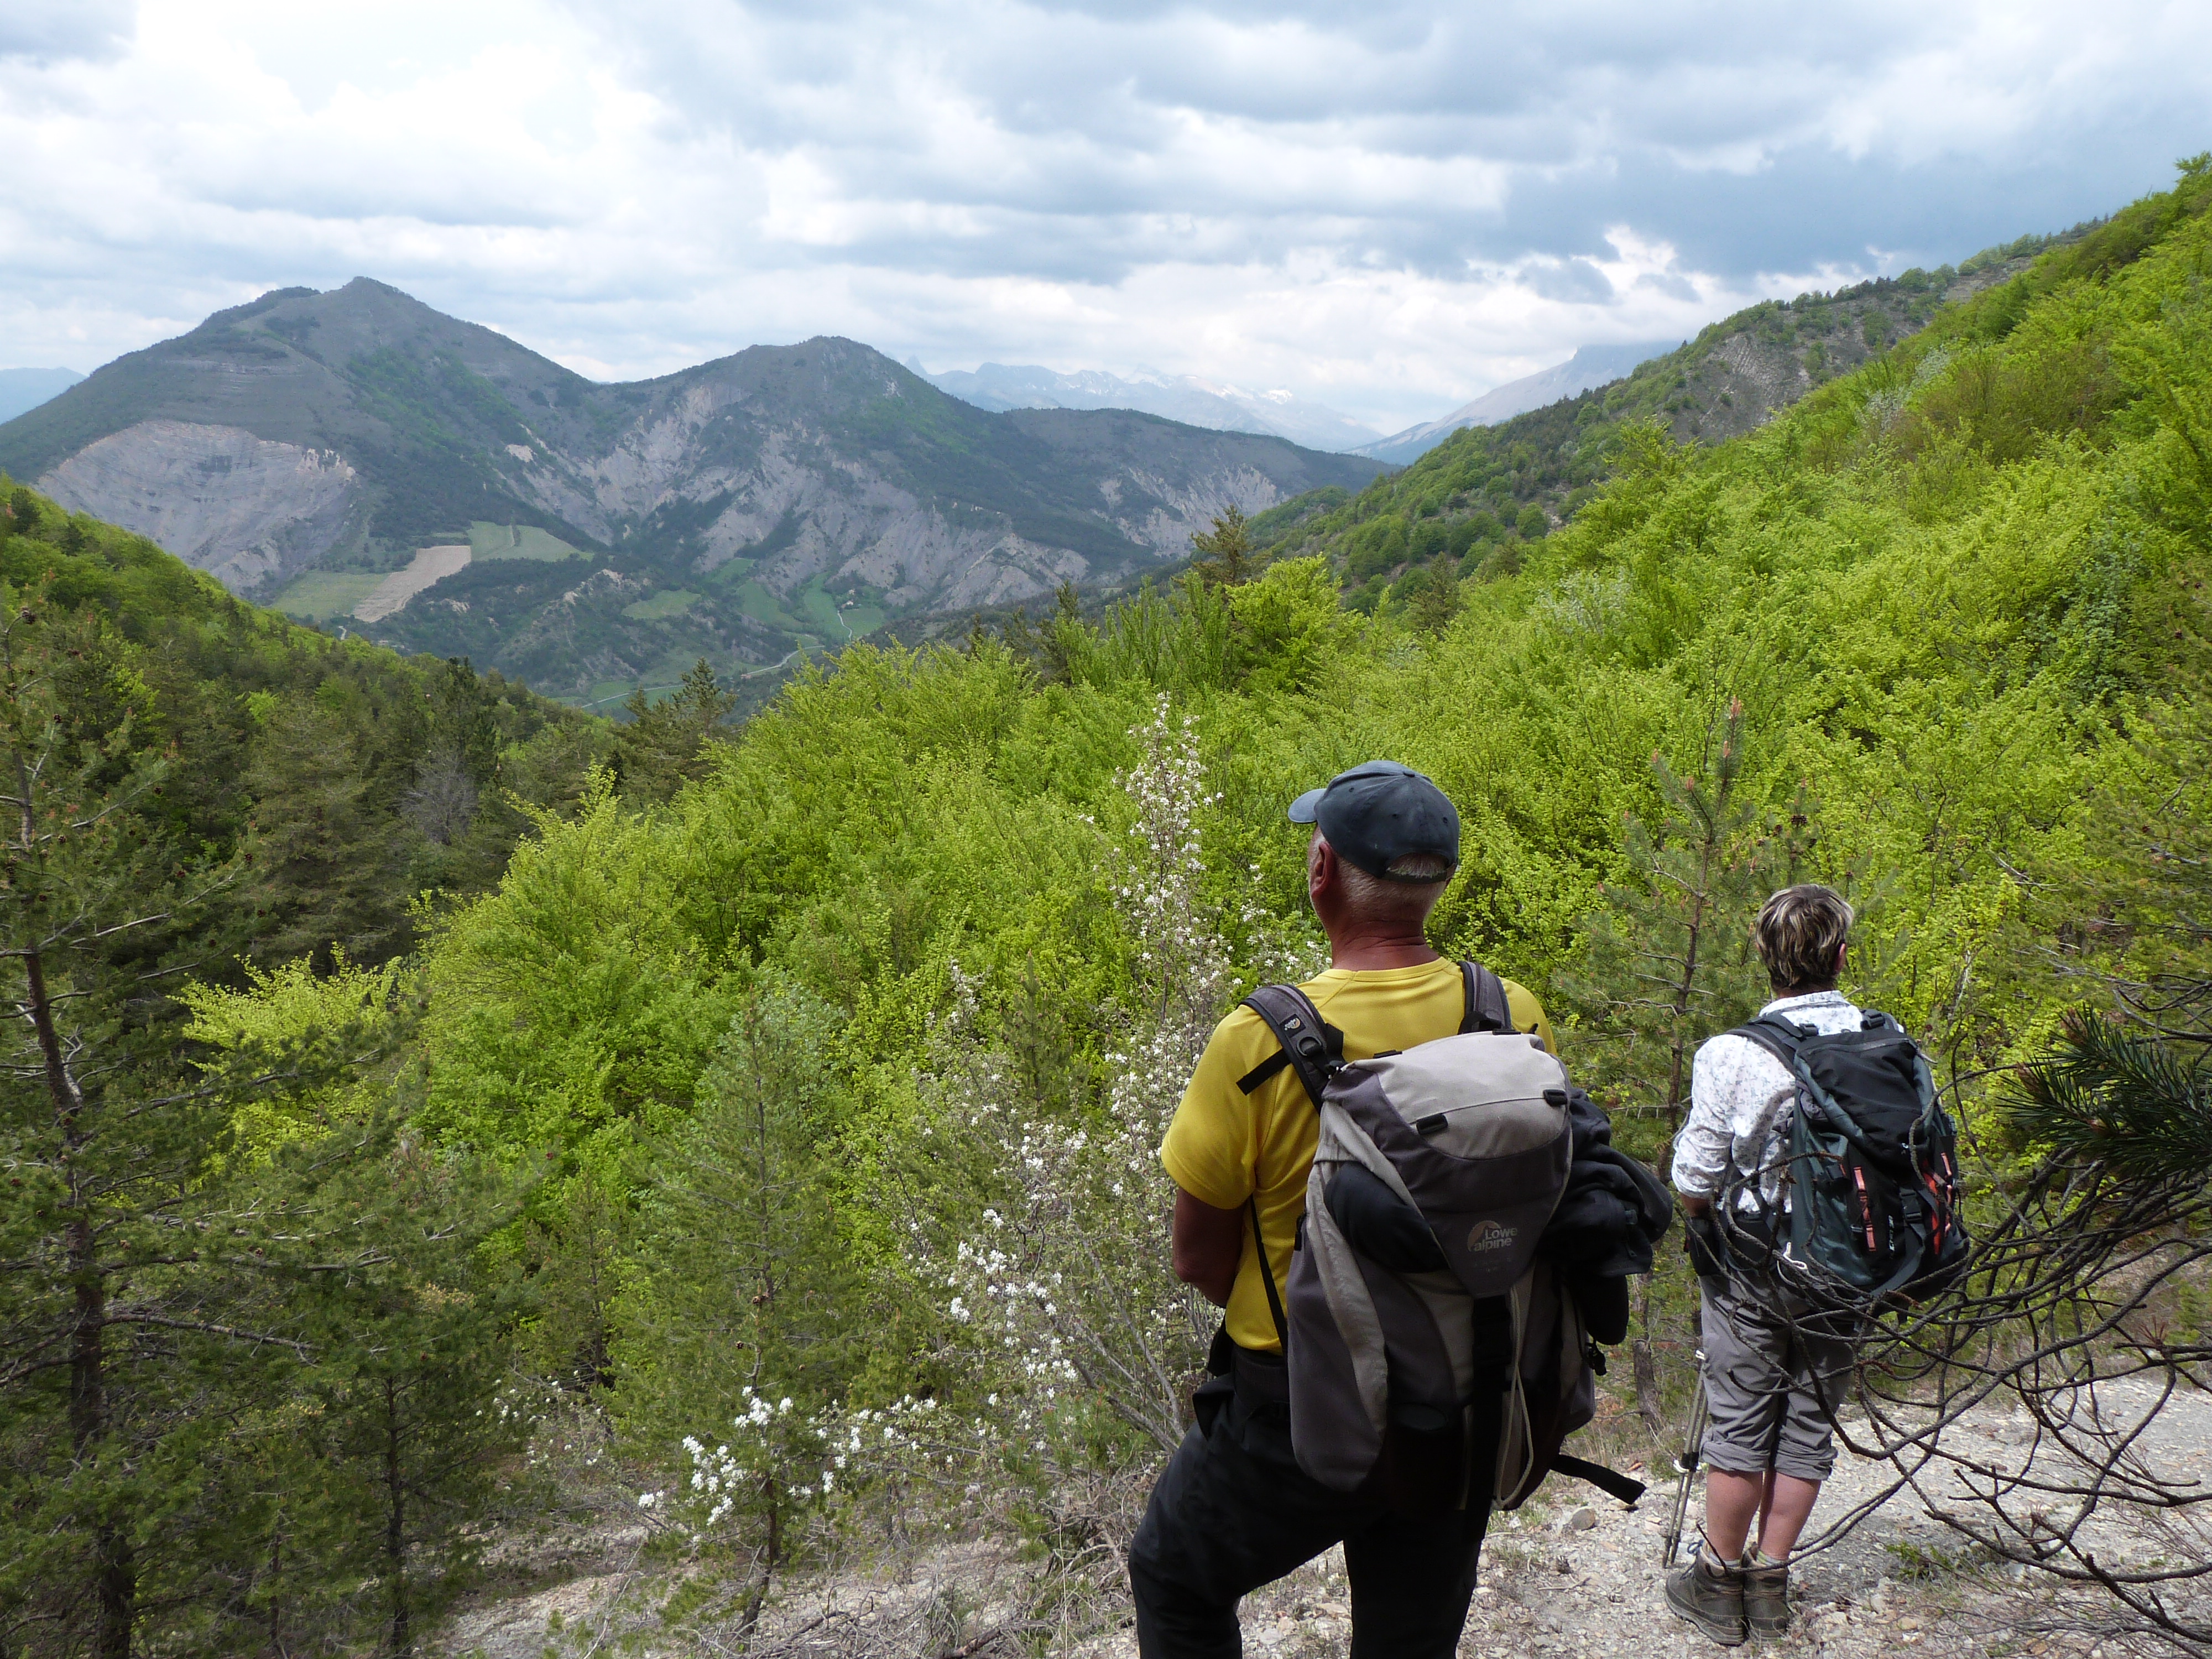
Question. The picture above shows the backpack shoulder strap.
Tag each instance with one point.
(1311, 1046)
(1487, 1009)
(1774, 1034)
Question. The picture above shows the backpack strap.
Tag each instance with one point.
(1605, 1480)
(1266, 1278)
(1774, 1034)
(1487, 1009)
(1309, 1045)
(1314, 1050)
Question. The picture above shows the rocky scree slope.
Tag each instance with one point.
(783, 497)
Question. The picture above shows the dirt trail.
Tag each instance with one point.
(1576, 1573)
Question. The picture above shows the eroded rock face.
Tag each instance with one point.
(287, 433)
(248, 512)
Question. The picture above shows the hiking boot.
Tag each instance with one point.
(1712, 1598)
(1766, 1596)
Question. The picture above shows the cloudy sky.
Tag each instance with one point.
(1388, 207)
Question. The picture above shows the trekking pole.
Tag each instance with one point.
(1687, 1466)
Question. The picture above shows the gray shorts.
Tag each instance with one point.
(1766, 1386)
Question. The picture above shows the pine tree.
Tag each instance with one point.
(743, 1292)
(1668, 962)
(355, 1478)
(118, 1315)
(1059, 638)
(1228, 557)
(326, 868)
(1436, 598)
(667, 744)
(406, 1433)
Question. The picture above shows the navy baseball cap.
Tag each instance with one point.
(1380, 812)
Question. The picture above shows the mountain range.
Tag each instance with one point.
(1592, 366)
(1185, 397)
(357, 457)
(22, 389)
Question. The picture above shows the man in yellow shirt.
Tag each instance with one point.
(1233, 1509)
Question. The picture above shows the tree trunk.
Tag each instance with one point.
(1676, 1088)
(770, 1557)
(1648, 1402)
(114, 1579)
(118, 1588)
(400, 1640)
(275, 1577)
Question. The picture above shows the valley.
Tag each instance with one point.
(500, 1180)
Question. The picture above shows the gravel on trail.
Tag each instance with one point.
(1574, 1573)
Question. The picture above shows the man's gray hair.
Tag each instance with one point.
(1418, 883)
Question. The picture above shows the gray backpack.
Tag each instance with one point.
(1431, 1352)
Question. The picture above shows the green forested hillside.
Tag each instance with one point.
(1486, 491)
(786, 1148)
(368, 778)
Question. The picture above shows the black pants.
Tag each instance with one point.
(1234, 1511)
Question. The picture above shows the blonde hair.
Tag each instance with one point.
(1798, 934)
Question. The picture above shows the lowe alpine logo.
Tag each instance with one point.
(1488, 1235)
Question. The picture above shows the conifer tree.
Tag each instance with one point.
(742, 1312)
(410, 1319)
(665, 743)
(354, 1478)
(112, 1297)
(1436, 597)
(324, 873)
(1668, 962)
(1059, 637)
(1228, 557)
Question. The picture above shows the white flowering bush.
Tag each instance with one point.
(1061, 1275)
(1039, 1218)
(806, 1468)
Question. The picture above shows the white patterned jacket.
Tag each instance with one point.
(1738, 1094)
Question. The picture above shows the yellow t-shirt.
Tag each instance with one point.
(1224, 1146)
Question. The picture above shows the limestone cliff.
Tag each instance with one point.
(250, 513)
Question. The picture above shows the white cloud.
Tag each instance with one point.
(1387, 206)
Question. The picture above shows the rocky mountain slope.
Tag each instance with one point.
(355, 454)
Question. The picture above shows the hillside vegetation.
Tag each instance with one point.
(1485, 491)
(786, 1149)
(363, 778)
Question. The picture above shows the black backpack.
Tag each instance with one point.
(1870, 1169)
